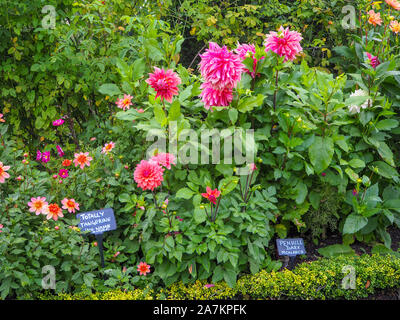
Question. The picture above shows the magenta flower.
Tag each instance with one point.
(63, 173)
(60, 151)
(38, 155)
(209, 285)
(248, 50)
(165, 83)
(46, 156)
(58, 122)
(355, 192)
(373, 61)
(284, 43)
(212, 97)
(220, 67)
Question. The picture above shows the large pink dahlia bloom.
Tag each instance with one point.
(212, 97)
(221, 67)
(148, 175)
(285, 43)
(247, 50)
(165, 83)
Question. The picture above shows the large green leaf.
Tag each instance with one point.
(336, 250)
(110, 89)
(354, 223)
(320, 153)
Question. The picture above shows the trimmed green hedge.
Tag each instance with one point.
(321, 279)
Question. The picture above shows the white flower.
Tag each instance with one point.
(355, 108)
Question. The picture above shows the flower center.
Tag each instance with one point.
(70, 204)
(81, 159)
(146, 172)
(53, 208)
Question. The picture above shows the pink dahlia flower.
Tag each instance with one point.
(165, 83)
(215, 98)
(148, 175)
(60, 151)
(108, 147)
(58, 122)
(247, 50)
(37, 205)
(70, 204)
(53, 211)
(211, 195)
(3, 174)
(143, 268)
(82, 159)
(164, 159)
(220, 67)
(284, 43)
(124, 103)
(373, 61)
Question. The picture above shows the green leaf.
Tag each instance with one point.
(199, 215)
(159, 115)
(174, 111)
(218, 274)
(138, 68)
(354, 223)
(301, 192)
(184, 193)
(109, 89)
(387, 124)
(315, 199)
(385, 170)
(357, 163)
(227, 185)
(249, 103)
(230, 277)
(336, 250)
(321, 153)
(233, 115)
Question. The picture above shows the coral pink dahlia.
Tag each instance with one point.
(70, 204)
(284, 43)
(165, 83)
(164, 159)
(124, 103)
(143, 268)
(53, 211)
(3, 174)
(148, 175)
(82, 159)
(211, 195)
(215, 98)
(37, 205)
(220, 67)
(108, 147)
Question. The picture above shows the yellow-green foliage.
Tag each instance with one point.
(115, 294)
(198, 291)
(321, 279)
